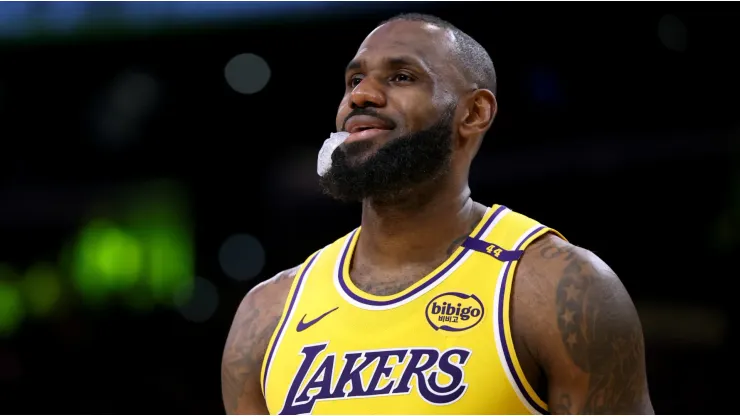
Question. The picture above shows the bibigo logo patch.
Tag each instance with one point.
(454, 311)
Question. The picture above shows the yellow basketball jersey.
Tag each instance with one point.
(442, 346)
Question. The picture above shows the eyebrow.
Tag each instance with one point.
(393, 62)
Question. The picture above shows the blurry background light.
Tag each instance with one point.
(41, 288)
(673, 33)
(247, 73)
(241, 257)
(12, 311)
(202, 302)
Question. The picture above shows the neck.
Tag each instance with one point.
(419, 228)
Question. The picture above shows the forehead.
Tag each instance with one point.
(429, 44)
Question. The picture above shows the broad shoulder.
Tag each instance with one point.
(556, 283)
(250, 333)
(551, 261)
(272, 292)
(574, 318)
(261, 308)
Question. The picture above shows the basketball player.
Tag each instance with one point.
(436, 304)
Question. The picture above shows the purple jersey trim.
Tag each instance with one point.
(490, 249)
(285, 321)
(423, 286)
(502, 334)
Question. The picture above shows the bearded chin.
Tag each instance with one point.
(396, 171)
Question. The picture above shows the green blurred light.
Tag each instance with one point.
(158, 213)
(11, 308)
(107, 259)
(148, 260)
(41, 288)
(119, 256)
(170, 268)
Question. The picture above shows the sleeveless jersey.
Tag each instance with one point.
(442, 346)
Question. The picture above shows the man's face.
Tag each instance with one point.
(399, 110)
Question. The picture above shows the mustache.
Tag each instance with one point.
(368, 112)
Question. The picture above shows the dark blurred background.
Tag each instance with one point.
(157, 160)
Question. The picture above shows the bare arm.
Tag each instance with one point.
(580, 327)
(253, 325)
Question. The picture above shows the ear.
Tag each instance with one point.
(480, 111)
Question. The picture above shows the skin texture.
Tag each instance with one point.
(253, 325)
(576, 332)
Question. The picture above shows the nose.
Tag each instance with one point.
(367, 94)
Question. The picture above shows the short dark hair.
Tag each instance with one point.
(473, 59)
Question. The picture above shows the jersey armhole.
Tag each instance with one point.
(502, 325)
(290, 301)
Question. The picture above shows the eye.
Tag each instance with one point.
(401, 77)
(354, 81)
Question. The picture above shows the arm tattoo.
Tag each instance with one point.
(564, 406)
(603, 337)
(240, 363)
(247, 342)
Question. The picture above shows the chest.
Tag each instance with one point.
(378, 281)
(382, 362)
(414, 354)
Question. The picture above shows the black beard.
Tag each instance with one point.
(395, 170)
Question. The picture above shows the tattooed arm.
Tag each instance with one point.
(253, 325)
(574, 321)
